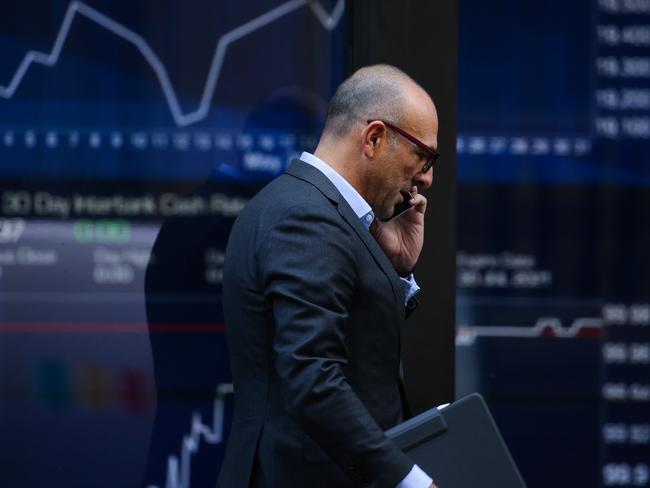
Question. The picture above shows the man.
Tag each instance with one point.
(315, 293)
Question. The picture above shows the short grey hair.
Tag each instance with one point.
(372, 92)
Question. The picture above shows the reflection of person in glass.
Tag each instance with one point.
(181, 291)
(315, 293)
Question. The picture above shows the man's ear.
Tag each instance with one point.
(373, 134)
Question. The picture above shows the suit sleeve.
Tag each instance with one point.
(309, 279)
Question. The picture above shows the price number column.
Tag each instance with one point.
(626, 396)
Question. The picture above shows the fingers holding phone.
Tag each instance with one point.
(418, 201)
(402, 236)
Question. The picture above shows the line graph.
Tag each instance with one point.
(544, 327)
(328, 21)
(179, 475)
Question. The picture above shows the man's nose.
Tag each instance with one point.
(423, 180)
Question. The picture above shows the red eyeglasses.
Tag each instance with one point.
(433, 155)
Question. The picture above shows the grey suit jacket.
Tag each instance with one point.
(313, 310)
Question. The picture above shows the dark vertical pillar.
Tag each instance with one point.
(420, 37)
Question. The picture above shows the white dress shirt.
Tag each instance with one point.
(416, 478)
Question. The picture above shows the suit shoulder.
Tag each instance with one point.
(284, 193)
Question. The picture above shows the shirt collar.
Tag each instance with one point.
(347, 191)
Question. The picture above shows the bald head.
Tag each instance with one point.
(379, 91)
(364, 142)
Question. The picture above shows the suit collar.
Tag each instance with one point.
(347, 191)
(310, 174)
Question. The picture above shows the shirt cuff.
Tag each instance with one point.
(416, 479)
(410, 287)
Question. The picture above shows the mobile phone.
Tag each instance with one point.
(400, 208)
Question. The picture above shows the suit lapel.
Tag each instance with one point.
(308, 173)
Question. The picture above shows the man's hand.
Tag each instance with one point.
(401, 239)
(433, 486)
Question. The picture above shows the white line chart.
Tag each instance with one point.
(179, 474)
(328, 21)
(545, 326)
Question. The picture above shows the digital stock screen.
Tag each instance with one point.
(553, 287)
(131, 135)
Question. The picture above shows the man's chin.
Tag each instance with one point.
(385, 213)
